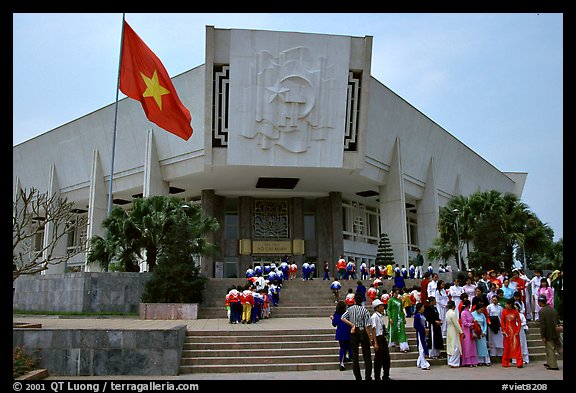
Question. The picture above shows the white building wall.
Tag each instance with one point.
(391, 117)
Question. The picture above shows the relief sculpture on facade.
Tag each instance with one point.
(292, 100)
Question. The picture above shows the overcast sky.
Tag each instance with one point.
(493, 80)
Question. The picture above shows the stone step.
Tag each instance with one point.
(265, 367)
(226, 333)
(279, 359)
(267, 352)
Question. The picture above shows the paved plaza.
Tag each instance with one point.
(535, 372)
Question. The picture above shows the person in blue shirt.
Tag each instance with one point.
(506, 290)
(404, 272)
(305, 271)
(342, 334)
(399, 281)
(249, 272)
(335, 287)
(311, 270)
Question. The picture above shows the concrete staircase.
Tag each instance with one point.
(298, 298)
(269, 351)
(290, 350)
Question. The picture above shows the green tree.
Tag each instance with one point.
(177, 277)
(385, 254)
(145, 231)
(119, 244)
(491, 226)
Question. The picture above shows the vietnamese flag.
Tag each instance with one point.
(144, 78)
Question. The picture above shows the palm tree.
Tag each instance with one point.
(143, 232)
(118, 244)
(492, 223)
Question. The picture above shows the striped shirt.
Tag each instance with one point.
(358, 315)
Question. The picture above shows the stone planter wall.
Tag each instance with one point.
(169, 311)
(80, 292)
(106, 352)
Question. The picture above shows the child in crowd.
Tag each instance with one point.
(349, 297)
(407, 302)
(372, 293)
(335, 287)
(247, 302)
(274, 292)
(265, 303)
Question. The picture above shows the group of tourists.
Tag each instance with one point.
(348, 270)
(253, 301)
(465, 324)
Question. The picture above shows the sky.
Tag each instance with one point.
(492, 80)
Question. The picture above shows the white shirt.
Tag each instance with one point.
(494, 310)
(377, 322)
(432, 285)
(535, 283)
(259, 282)
(441, 297)
(455, 292)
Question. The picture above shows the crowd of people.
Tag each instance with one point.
(467, 325)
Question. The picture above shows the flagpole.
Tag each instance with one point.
(115, 119)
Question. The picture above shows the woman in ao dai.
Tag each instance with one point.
(421, 333)
(468, 357)
(441, 301)
(453, 333)
(481, 346)
(397, 322)
(495, 337)
(523, 342)
(470, 289)
(454, 292)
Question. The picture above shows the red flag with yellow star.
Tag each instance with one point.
(144, 78)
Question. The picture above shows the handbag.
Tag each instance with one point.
(494, 324)
(477, 329)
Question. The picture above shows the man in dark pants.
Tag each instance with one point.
(381, 351)
(358, 317)
(548, 332)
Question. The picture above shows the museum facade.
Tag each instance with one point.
(297, 151)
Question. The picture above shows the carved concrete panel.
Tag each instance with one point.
(288, 96)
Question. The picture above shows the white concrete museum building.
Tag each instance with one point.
(297, 150)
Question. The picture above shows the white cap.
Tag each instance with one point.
(376, 303)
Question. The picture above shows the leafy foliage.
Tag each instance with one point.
(491, 226)
(22, 362)
(147, 229)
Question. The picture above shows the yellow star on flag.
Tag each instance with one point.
(154, 89)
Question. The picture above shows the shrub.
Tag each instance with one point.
(22, 362)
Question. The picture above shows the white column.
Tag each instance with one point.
(97, 205)
(154, 184)
(428, 212)
(393, 208)
(60, 248)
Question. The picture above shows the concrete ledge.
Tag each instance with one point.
(169, 311)
(33, 375)
(19, 325)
